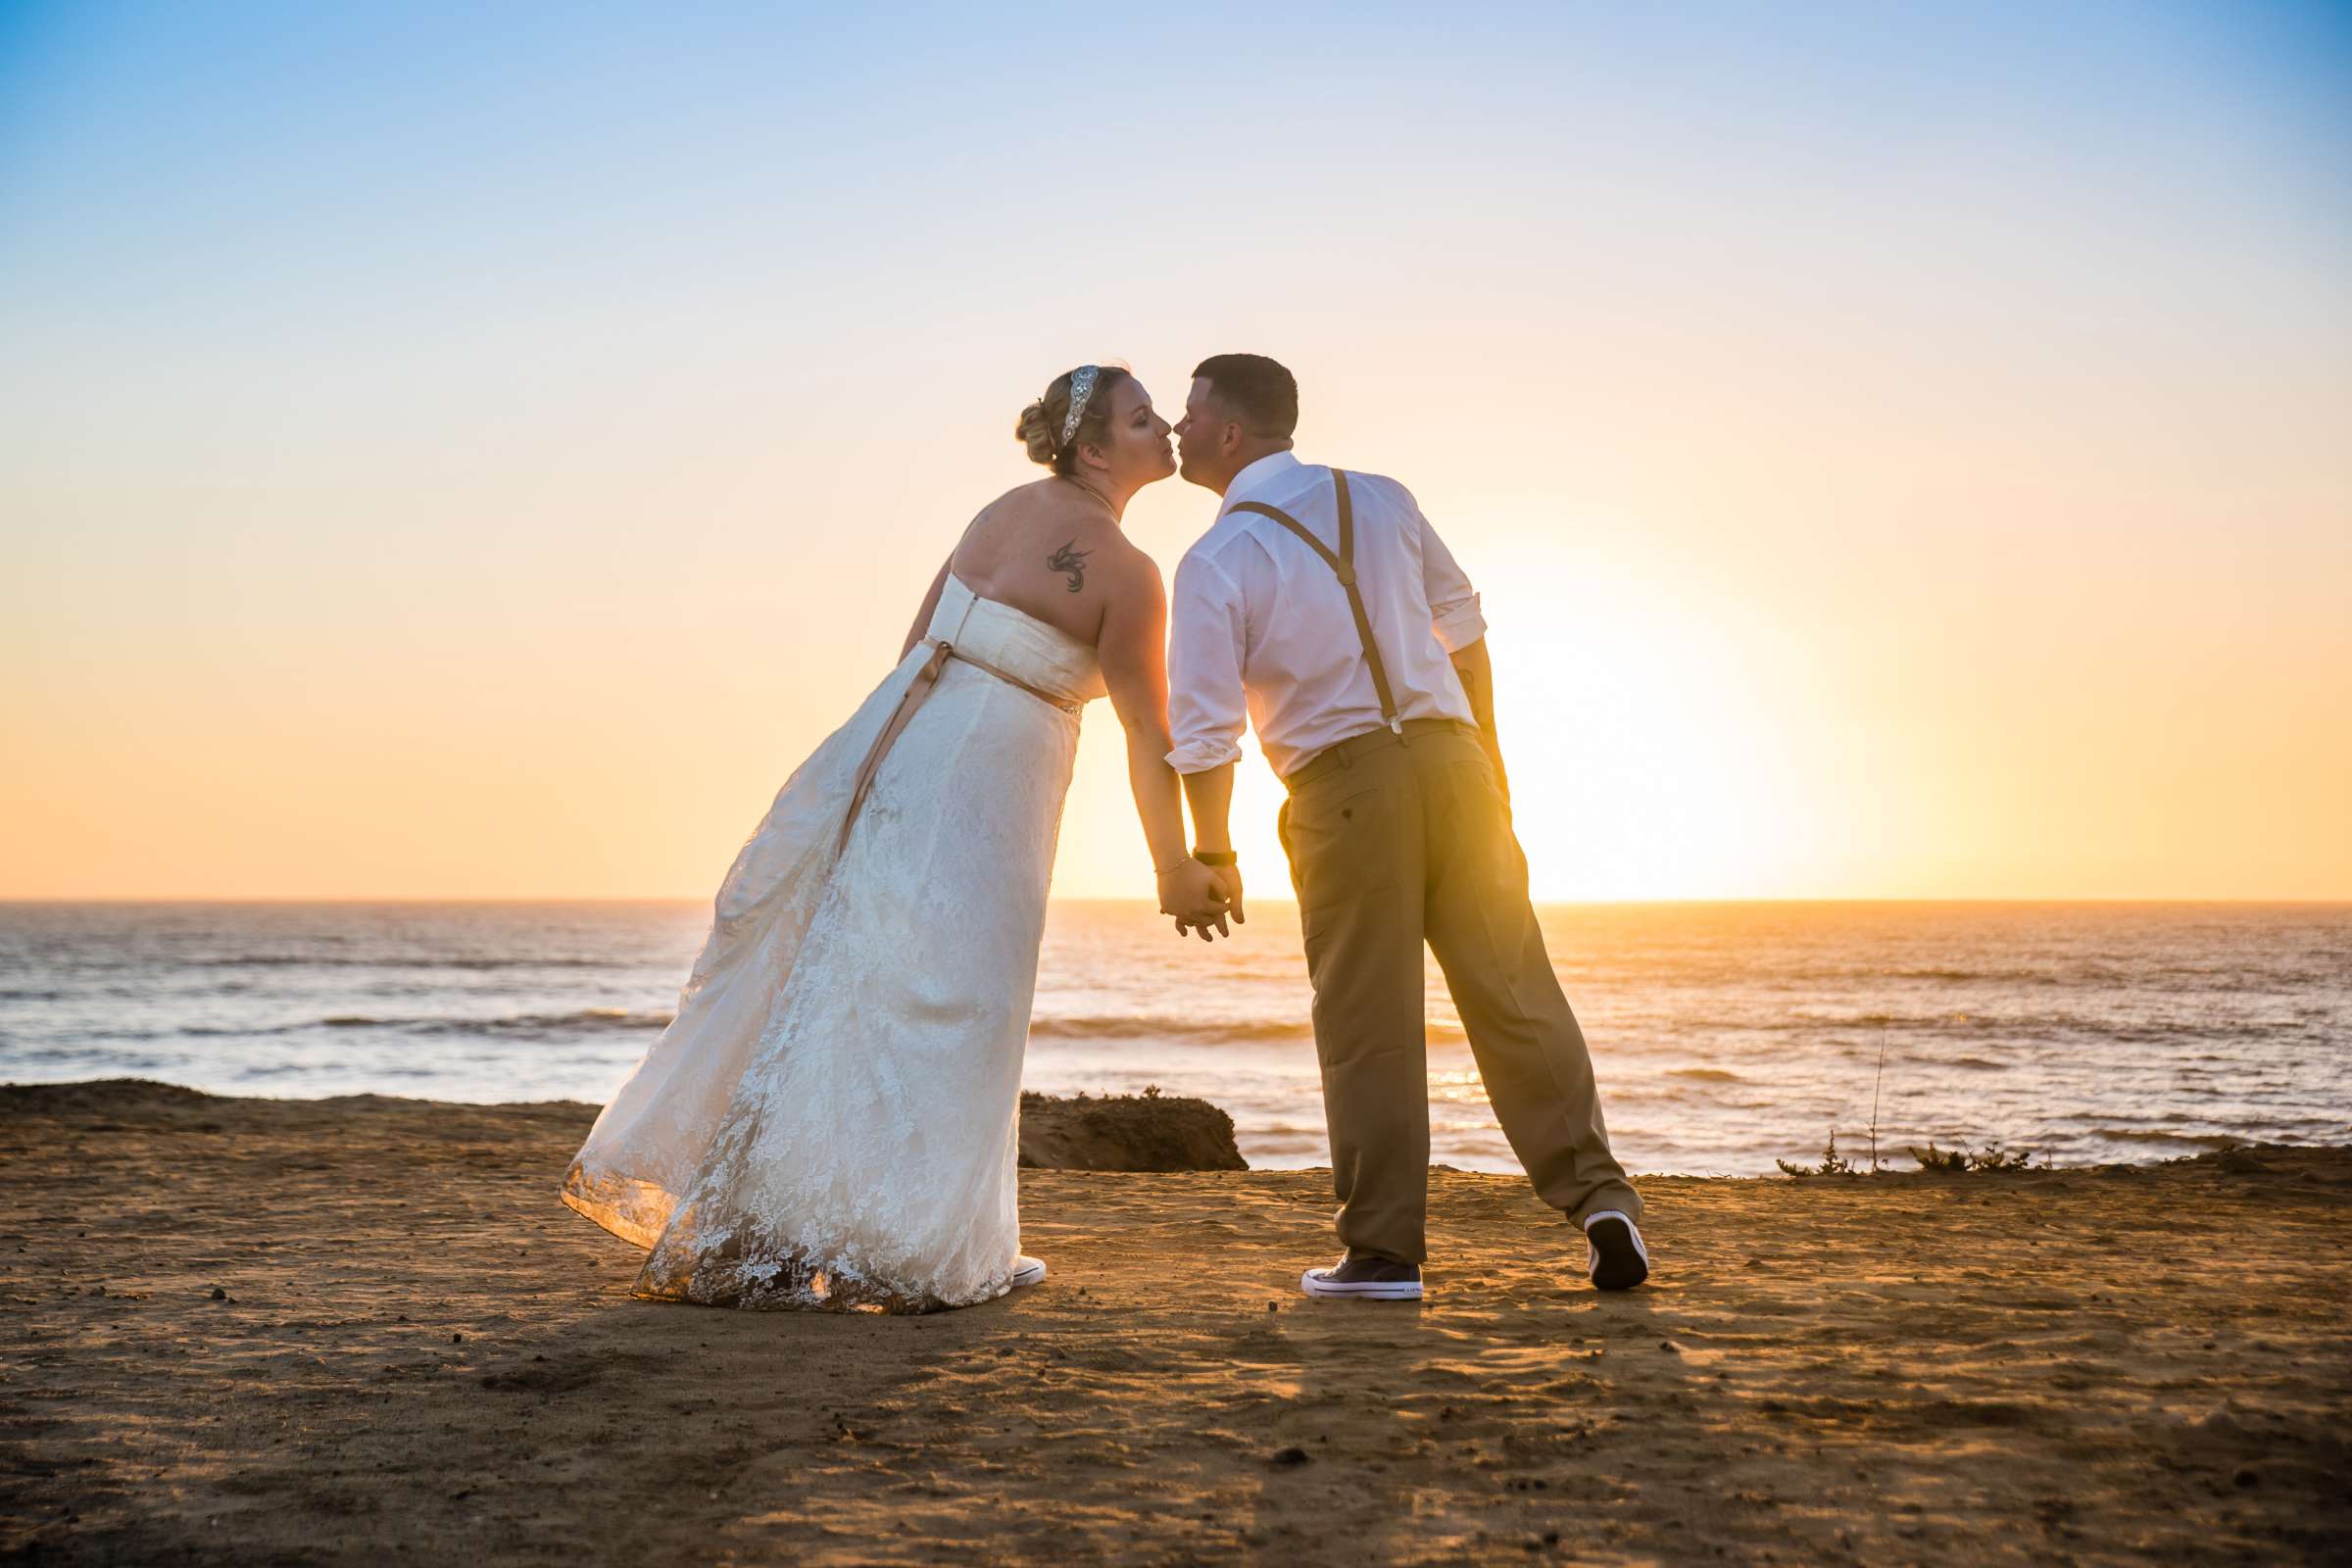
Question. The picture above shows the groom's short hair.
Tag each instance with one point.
(1261, 394)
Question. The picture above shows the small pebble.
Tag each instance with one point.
(1670, 1346)
(1290, 1455)
(457, 1339)
(220, 1294)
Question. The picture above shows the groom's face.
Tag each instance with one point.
(1206, 437)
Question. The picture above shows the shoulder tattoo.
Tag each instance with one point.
(1070, 559)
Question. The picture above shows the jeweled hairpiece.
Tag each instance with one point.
(1082, 387)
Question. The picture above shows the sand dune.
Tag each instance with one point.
(365, 1330)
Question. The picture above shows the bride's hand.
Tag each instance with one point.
(1190, 891)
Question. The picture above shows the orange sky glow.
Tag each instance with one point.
(1962, 511)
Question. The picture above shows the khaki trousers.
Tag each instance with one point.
(1392, 842)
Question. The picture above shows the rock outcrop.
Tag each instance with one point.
(1126, 1132)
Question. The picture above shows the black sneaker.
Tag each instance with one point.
(1365, 1279)
(1614, 1256)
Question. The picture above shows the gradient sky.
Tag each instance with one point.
(478, 451)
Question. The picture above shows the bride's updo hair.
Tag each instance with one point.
(1040, 428)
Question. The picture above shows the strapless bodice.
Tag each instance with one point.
(1017, 642)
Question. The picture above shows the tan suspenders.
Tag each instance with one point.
(1343, 563)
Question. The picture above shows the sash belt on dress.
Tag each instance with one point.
(927, 680)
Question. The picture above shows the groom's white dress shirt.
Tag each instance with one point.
(1260, 626)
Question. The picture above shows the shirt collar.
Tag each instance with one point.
(1260, 475)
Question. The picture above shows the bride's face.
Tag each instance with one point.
(1135, 449)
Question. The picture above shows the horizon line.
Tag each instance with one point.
(1090, 898)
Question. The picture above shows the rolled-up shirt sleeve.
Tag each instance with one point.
(1452, 604)
(1206, 707)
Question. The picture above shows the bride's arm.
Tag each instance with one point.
(1133, 650)
(922, 617)
(1135, 667)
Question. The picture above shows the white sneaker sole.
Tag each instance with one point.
(1363, 1289)
(1592, 1253)
(1031, 1272)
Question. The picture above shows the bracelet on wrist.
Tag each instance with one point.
(1163, 871)
(1216, 857)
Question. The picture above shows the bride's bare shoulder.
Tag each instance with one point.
(1039, 498)
(1130, 573)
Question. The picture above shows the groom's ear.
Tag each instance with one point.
(1229, 430)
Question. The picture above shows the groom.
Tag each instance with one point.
(1324, 606)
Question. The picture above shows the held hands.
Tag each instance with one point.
(1200, 897)
(1229, 882)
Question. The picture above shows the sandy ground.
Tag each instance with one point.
(421, 1355)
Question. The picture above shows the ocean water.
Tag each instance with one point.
(1725, 1035)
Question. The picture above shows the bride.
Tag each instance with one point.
(831, 1121)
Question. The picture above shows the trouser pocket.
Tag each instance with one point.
(1342, 836)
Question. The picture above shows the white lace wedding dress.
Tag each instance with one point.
(832, 1119)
